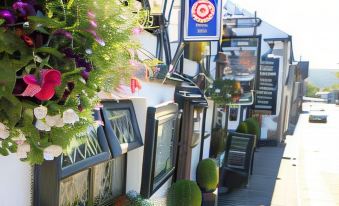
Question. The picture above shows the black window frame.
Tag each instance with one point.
(113, 141)
(90, 161)
(155, 116)
(49, 175)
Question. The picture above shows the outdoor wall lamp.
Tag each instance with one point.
(161, 7)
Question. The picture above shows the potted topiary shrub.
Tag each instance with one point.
(242, 128)
(253, 127)
(207, 175)
(184, 193)
(208, 179)
(218, 142)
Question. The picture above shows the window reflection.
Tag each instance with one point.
(164, 150)
(74, 190)
(121, 123)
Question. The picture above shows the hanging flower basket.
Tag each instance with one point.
(225, 92)
(55, 56)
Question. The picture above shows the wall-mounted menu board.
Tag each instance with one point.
(267, 85)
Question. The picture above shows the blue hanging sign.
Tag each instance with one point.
(202, 20)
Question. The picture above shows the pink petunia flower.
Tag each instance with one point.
(44, 88)
(137, 31)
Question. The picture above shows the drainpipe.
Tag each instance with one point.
(282, 119)
(181, 33)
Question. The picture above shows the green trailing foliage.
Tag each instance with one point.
(207, 175)
(218, 142)
(221, 91)
(184, 193)
(99, 34)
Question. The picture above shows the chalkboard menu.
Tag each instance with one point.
(267, 85)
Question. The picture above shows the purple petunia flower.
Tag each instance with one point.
(80, 62)
(64, 33)
(25, 9)
(67, 92)
(89, 67)
(7, 16)
(69, 53)
(84, 74)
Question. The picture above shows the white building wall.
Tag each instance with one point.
(15, 182)
(208, 129)
(135, 157)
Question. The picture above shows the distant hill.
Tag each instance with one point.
(323, 77)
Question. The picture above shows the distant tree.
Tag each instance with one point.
(326, 89)
(311, 90)
(333, 86)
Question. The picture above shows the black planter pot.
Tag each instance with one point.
(209, 198)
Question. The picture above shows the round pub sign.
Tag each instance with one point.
(203, 11)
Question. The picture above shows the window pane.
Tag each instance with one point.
(164, 150)
(122, 125)
(233, 114)
(74, 190)
(102, 187)
(81, 148)
(109, 180)
(119, 175)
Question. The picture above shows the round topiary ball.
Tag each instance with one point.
(184, 193)
(253, 127)
(242, 128)
(207, 175)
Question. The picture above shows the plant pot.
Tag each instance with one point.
(210, 198)
(122, 201)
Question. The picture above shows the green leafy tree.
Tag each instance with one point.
(311, 90)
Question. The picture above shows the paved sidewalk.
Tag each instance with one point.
(262, 181)
(285, 190)
(303, 172)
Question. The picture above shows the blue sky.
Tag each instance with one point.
(313, 24)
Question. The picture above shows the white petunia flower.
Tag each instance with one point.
(217, 91)
(40, 125)
(20, 138)
(4, 131)
(54, 121)
(52, 151)
(40, 112)
(70, 117)
(23, 149)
